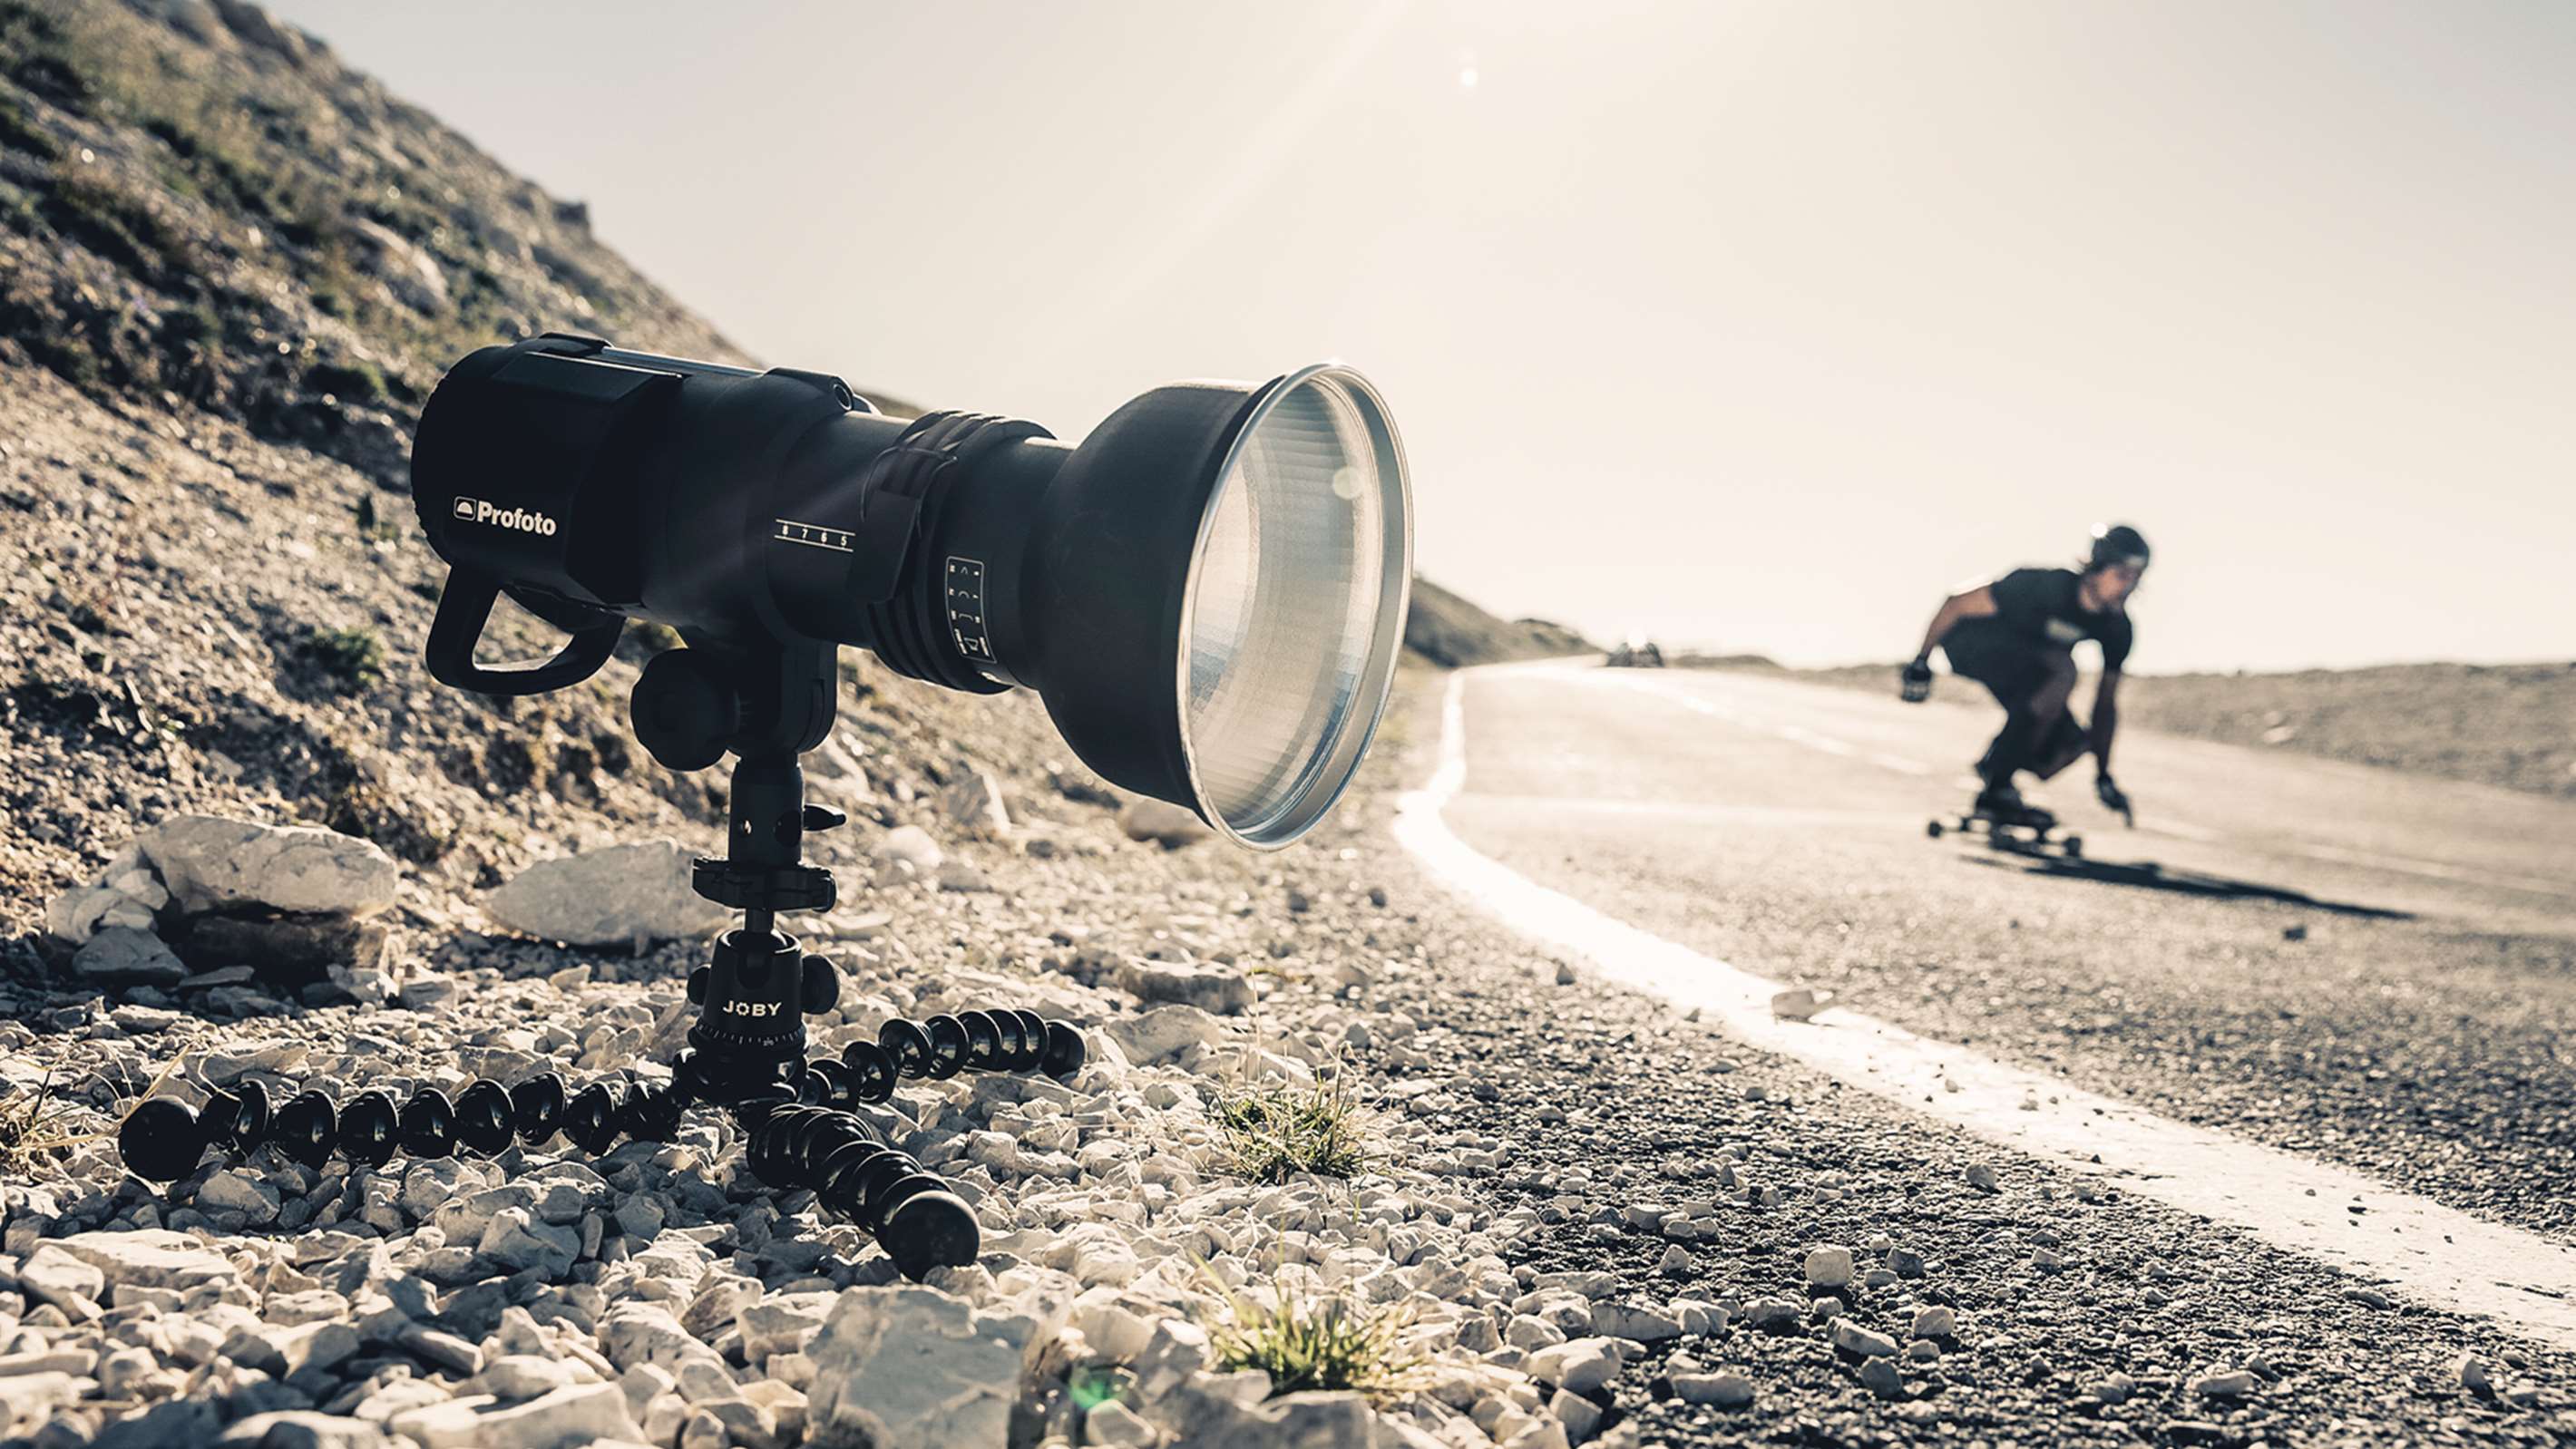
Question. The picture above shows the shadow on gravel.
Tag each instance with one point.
(2148, 875)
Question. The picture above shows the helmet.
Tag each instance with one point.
(2117, 543)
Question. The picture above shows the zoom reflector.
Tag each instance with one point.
(1294, 605)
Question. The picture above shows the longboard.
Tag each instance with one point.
(2005, 835)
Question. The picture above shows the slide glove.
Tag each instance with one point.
(2114, 799)
(1915, 681)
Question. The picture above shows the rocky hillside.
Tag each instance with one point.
(1446, 630)
(231, 269)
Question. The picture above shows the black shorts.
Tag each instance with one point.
(2007, 664)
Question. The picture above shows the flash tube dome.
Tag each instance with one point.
(1209, 593)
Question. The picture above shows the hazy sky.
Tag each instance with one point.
(1746, 326)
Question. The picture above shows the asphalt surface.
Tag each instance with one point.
(2374, 969)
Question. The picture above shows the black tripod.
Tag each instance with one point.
(746, 1053)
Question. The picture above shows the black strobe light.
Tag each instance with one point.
(1208, 593)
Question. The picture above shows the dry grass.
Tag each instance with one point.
(31, 1132)
(1330, 1344)
(1276, 1130)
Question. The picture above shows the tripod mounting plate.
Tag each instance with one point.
(740, 887)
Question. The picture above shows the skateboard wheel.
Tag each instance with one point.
(2075, 846)
(1932, 828)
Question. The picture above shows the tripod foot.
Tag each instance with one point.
(930, 1230)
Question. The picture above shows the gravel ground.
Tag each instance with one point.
(1600, 1107)
(1537, 1141)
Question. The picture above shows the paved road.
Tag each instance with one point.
(2369, 968)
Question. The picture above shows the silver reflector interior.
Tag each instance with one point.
(1295, 606)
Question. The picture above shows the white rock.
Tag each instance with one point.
(1634, 1322)
(1699, 1317)
(1829, 1268)
(1771, 1313)
(1223, 990)
(963, 877)
(973, 802)
(1319, 1421)
(149, 1258)
(121, 955)
(518, 1244)
(233, 1190)
(1528, 1331)
(1727, 1391)
(567, 1416)
(73, 916)
(1580, 1416)
(525, 1375)
(1113, 1423)
(914, 1368)
(1168, 825)
(52, 1275)
(1582, 1365)
(782, 1322)
(912, 846)
(784, 1405)
(1162, 1033)
(410, 273)
(1934, 1321)
(637, 1332)
(208, 861)
(1851, 1338)
(31, 1399)
(1799, 1003)
(607, 897)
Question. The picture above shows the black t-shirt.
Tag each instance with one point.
(2039, 607)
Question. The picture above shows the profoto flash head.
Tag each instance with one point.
(1209, 593)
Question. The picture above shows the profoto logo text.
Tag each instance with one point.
(524, 520)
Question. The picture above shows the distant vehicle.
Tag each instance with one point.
(1637, 654)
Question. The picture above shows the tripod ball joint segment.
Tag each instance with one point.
(163, 1139)
(853, 1170)
(859, 1175)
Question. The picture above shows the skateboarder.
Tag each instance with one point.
(2016, 636)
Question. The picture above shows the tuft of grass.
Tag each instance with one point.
(372, 526)
(353, 659)
(23, 134)
(89, 207)
(1330, 1344)
(1275, 1130)
(31, 1129)
(362, 383)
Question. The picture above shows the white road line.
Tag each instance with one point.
(2438, 1254)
